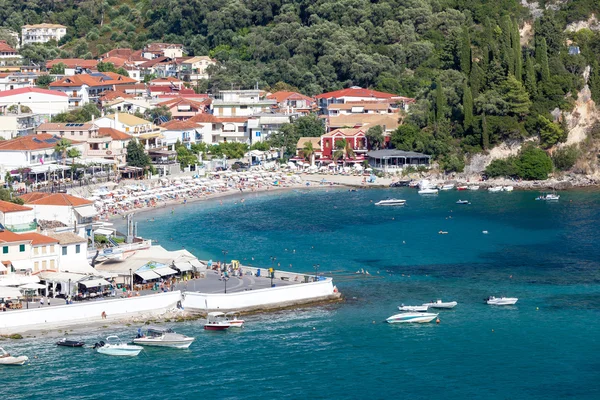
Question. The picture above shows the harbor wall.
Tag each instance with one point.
(50, 317)
(280, 296)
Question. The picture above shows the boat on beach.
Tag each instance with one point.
(117, 348)
(216, 321)
(7, 359)
(501, 301)
(163, 337)
(474, 187)
(391, 202)
(441, 304)
(446, 186)
(70, 343)
(411, 317)
(462, 188)
(495, 189)
(507, 188)
(234, 321)
(422, 308)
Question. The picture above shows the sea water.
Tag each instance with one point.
(546, 346)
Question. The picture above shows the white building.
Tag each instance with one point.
(261, 126)
(186, 132)
(194, 69)
(17, 218)
(13, 80)
(15, 125)
(240, 103)
(145, 131)
(31, 151)
(42, 33)
(72, 253)
(40, 101)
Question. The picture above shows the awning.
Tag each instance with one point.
(105, 232)
(198, 265)
(184, 266)
(50, 276)
(148, 275)
(32, 286)
(9, 292)
(165, 271)
(94, 282)
(22, 265)
(86, 211)
(17, 279)
(81, 268)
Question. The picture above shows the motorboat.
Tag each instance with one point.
(114, 347)
(463, 202)
(440, 304)
(69, 343)
(428, 191)
(495, 189)
(391, 202)
(422, 308)
(411, 317)
(234, 321)
(425, 184)
(162, 337)
(400, 184)
(501, 301)
(462, 188)
(474, 187)
(7, 359)
(548, 197)
(508, 188)
(447, 186)
(216, 321)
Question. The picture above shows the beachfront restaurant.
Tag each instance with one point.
(386, 160)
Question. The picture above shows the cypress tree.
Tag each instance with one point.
(506, 47)
(530, 78)
(541, 56)
(516, 45)
(465, 53)
(485, 134)
(440, 101)
(594, 82)
(467, 106)
(476, 79)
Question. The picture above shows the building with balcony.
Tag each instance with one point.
(156, 50)
(43, 102)
(183, 108)
(186, 132)
(31, 151)
(292, 102)
(84, 88)
(42, 33)
(13, 80)
(17, 218)
(13, 125)
(73, 66)
(261, 126)
(146, 132)
(215, 130)
(240, 103)
(358, 94)
(8, 55)
(195, 68)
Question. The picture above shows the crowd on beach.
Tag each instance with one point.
(122, 199)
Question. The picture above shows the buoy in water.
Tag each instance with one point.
(437, 321)
(537, 308)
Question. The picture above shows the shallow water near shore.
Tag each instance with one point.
(545, 346)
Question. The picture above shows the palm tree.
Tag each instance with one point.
(61, 148)
(343, 149)
(73, 153)
(308, 151)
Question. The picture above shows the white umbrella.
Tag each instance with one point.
(32, 286)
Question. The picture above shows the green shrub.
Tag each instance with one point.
(507, 168)
(565, 158)
(533, 164)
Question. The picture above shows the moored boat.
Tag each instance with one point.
(234, 321)
(474, 187)
(422, 308)
(161, 337)
(114, 347)
(391, 202)
(463, 202)
(446, 186)
(70, 343)
(216, 321)
(462, 188)
(548, 197)
(428, 191)
(441, 304)
(7, 359)
(411, 317)
(495, 189)
(507, 188)
(501, 301)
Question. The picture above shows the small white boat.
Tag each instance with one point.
(474, 187)
(422, 308)
(447, 186)
(495, 189)
(391, 202)
(7, 359)
(548, 197)
(162, 337)
(441, 304)
(411, 317)
(501, 301)
(216, 321)
(463, 202)
(508, 188)
(234, 321)
(117, 348)
(428, 191)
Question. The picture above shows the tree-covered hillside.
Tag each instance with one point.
(478, 81)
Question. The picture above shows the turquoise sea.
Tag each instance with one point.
(545, 347)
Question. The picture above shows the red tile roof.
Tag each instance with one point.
(8, 236)
(5, 47)
(98, 79)
(151, 63)
(116, 61)
(356, 92)
(32, 90)
(54, 199)
(73, 63)
(115, 94)
(8, 207)
(36, 238)
(204, 118)
(282, 96)
(31, 142)
(114, 134)
(175, 125)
